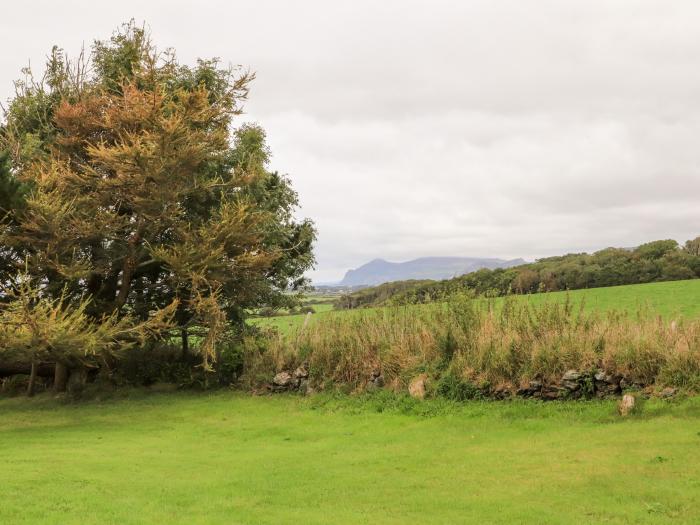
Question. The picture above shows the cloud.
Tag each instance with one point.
(483, 128)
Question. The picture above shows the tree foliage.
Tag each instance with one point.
(52, 330)
(127, 189)
(655, 261)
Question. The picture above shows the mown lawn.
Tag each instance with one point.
(228, 458)
(669, 299)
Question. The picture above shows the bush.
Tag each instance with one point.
(154, 362)
(452, 387)
(267, 312)
(14, 385)
(229, 364)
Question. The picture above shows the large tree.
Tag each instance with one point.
(692, 246)
(140, 192)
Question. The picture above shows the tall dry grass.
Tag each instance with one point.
(502, 345)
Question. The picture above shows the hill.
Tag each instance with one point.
(663, 260)
(380, 271)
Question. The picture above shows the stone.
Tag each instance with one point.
(668, 392)
(416, 388)
(301, 372)
(626, 405)
(501, 394)
(524, 392)
(571, 375)
(570, 385)
(550, 393)
(375, 383)
(282, 379)
(606, 384)
(535, 385)
(570, 380)
(606, 389)
(532, 389)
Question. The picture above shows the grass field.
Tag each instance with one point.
(286, 322)
(226, 458)
(669, 299)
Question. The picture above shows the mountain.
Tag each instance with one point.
(380, 271)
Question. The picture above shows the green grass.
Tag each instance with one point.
(287, 322)
(323, 307)
(225, 458)
(669, 299)
(316, 299)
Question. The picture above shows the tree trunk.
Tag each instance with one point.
(128, 267)
(125, 286)
(77, 380)
(185, 342)
(32, 379)
(60, 378)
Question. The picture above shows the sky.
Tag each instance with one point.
(487, 128)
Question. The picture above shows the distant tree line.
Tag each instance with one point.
(663, 260)
(379, 294)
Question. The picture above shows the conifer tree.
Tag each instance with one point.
(139, 193)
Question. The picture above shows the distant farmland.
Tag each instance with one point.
(668, 299)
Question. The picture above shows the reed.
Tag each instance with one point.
(494, 345)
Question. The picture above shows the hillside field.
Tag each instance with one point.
(669, 299)
(228, 458)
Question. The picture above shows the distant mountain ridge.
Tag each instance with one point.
(380, 271)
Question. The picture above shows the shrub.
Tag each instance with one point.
(229, 363)
(452, 387)
(267, 312)
(14, 385)
(477, 343)
(151, 363)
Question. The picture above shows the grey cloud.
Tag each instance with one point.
(410, 128)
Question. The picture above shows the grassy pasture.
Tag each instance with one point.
(226, 458)
(669, 299)
(286, 322)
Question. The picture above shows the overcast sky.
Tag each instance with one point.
(473, 128)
